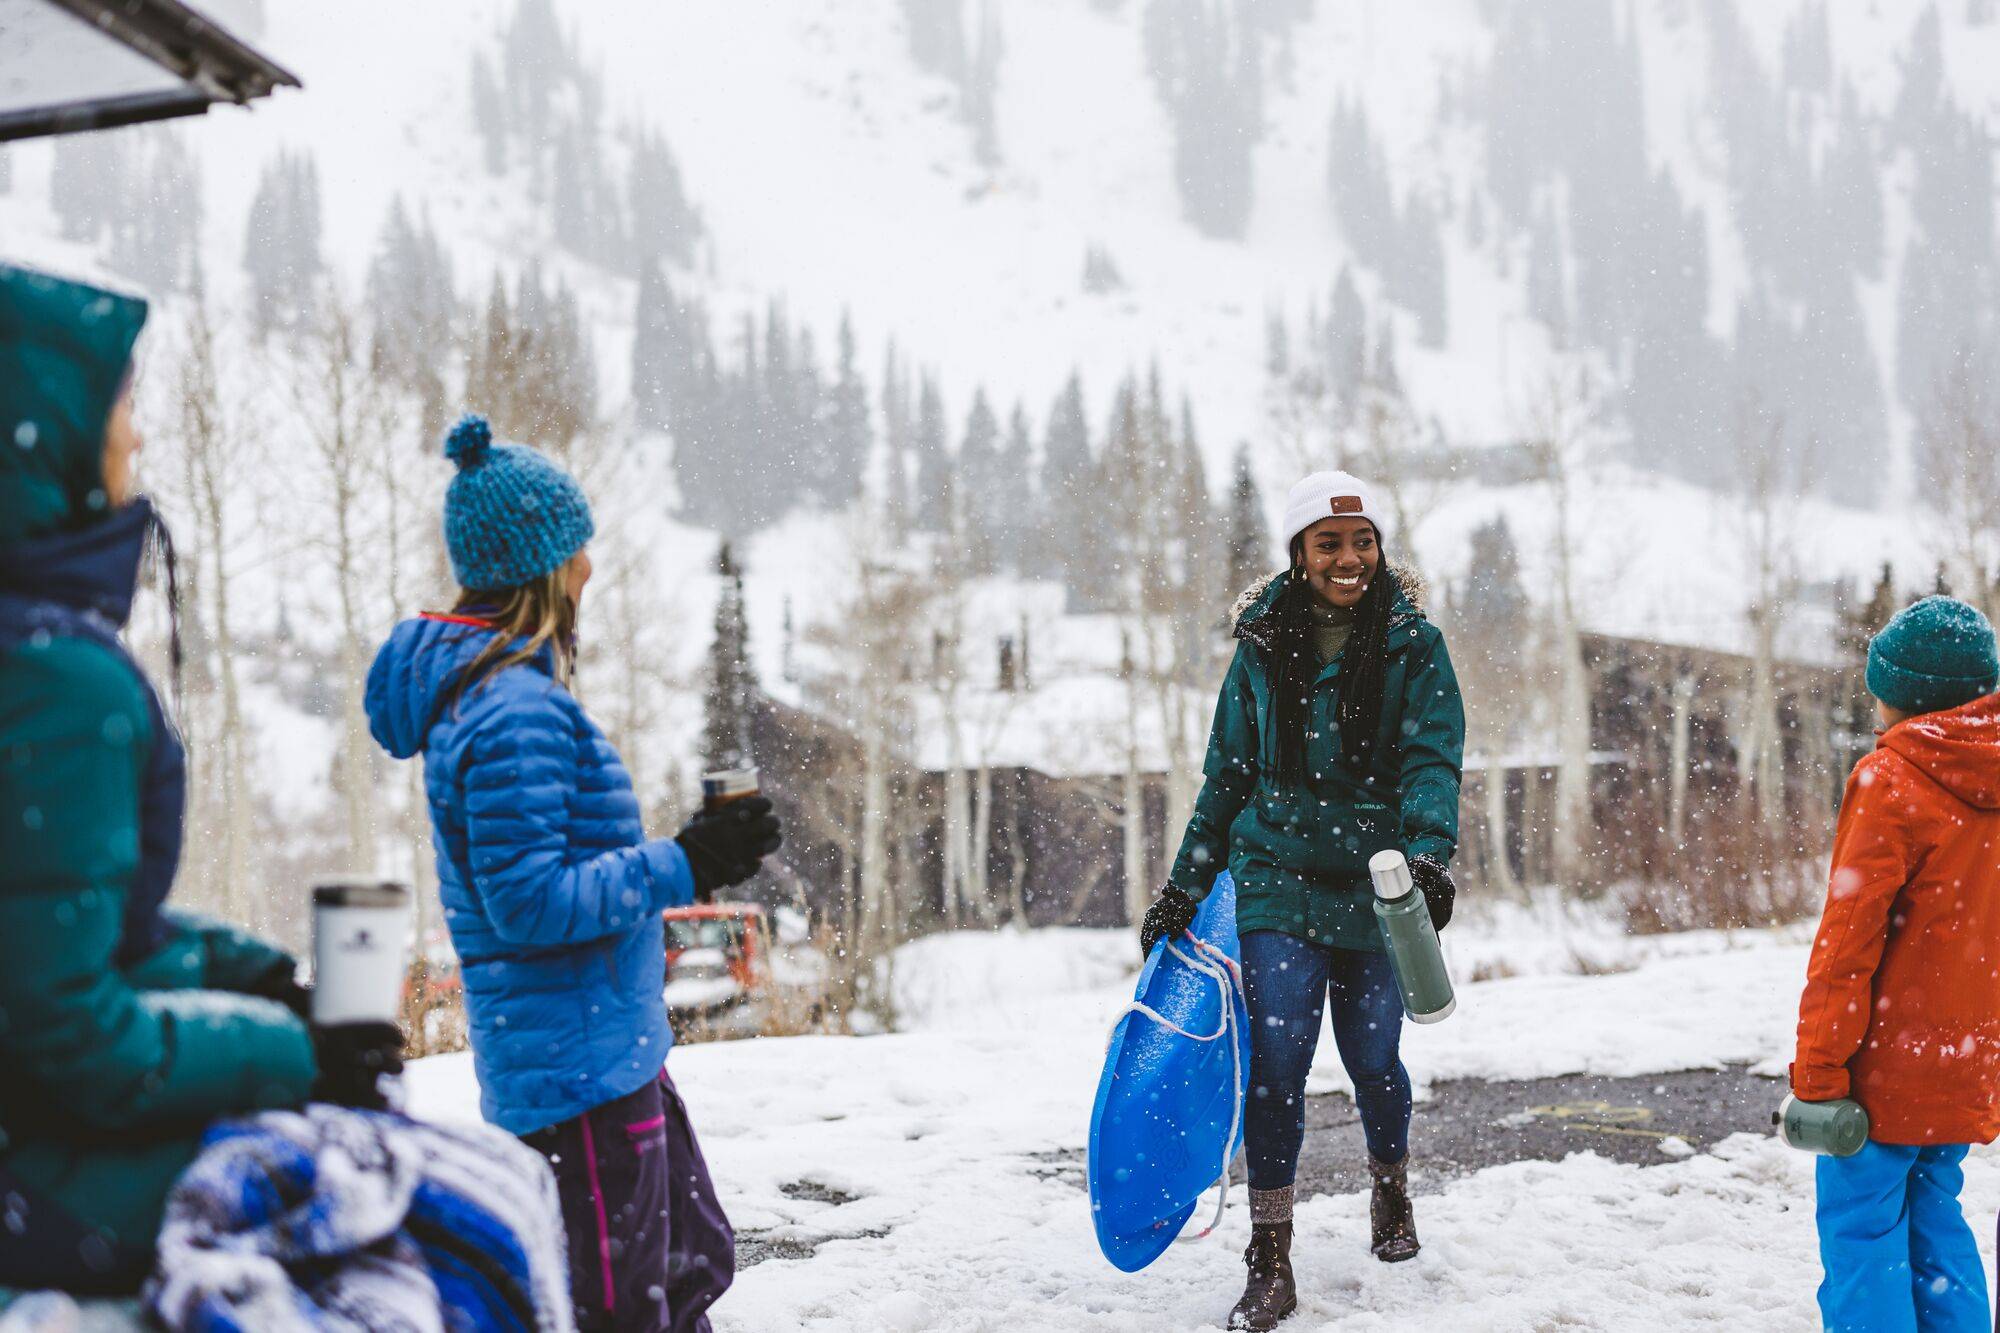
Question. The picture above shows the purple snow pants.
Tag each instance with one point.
(649, 1247)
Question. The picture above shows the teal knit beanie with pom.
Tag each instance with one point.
(510, 515)
(1937, 653)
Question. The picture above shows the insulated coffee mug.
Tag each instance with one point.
(728, 784)
(359, 929)
(1837, 1128)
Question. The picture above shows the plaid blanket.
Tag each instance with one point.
(354, 1220)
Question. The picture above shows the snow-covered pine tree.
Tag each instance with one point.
(730, 690)
(1548, 289)
(980, 97)
(535, 61)
(489, 115)
(665, 224)
(1015, 493)
(1247, 536)
(898, 507)
(281, 242)
(1067, 541)
(532, 367)
(977, 483)
(937, 36)
(414, 299)
(1206, 61)
(1424, 283)
(934, 468)
(1346, 340)
(156, 231)
(849, 436)
(652, 350)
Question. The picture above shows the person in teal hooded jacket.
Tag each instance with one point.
(125, 1027)
(1339, 733)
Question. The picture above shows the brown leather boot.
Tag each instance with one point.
(1270, 1294)
(1390, 1217)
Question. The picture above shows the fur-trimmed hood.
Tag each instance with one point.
(1256, 601)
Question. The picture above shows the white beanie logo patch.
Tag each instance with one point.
(1346, 504)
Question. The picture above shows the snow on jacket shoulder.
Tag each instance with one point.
(1901, 1009)
(552, 892)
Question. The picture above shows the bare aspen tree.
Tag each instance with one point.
(1304, 418)
(1958, 442)
(1771, 490)
(410, 491)
(950, 574)
(216, 445)
(1679, 735)
(1385, 445)
(1563, 439)
(1150, 534)
(870, 651)
(1132, 793)
(343, 412)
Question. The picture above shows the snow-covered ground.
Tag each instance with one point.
(947, 1135)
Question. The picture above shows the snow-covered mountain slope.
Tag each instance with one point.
(832, 174)
(836, 175)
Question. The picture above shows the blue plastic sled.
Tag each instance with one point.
(1165, 1108)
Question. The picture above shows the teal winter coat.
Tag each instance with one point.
(119, 1037)
(1299, 855)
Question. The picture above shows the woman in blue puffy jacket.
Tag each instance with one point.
(553, 893)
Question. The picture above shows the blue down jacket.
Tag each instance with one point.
(552, 892)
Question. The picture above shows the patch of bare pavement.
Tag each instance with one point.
(1469, 1125)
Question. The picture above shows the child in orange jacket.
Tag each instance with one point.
(1901, 1010)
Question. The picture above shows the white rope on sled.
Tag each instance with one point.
(1220, 968)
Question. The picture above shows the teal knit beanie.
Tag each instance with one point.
(510, 515)
(1936, 654)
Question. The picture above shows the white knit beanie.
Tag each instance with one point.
(1330, 495)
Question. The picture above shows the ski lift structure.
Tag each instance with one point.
(72, 65)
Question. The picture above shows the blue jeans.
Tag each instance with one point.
(1288, 983)
(1898, 1254)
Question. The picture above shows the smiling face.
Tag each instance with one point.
(1340, 557)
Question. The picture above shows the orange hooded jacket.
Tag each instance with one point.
(1902, 1002)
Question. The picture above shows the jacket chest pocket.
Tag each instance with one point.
(1284, 808)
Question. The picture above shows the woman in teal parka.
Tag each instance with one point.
(1339, 733)
(125, 1027)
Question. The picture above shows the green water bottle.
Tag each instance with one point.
(1837, 1128)
(1405, 920)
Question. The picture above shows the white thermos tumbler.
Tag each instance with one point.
(359, 930)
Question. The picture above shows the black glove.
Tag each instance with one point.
(725, 846)
(1433, 880)
(1171, 913)
(280, 982)
(351, 1057)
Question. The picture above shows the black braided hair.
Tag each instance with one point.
(1363, 668)
(160, 546)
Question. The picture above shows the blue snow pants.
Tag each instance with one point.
(1898, 1255)
(1288, 983)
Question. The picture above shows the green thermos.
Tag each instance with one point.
(1414, 954)
(1838, 1128)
